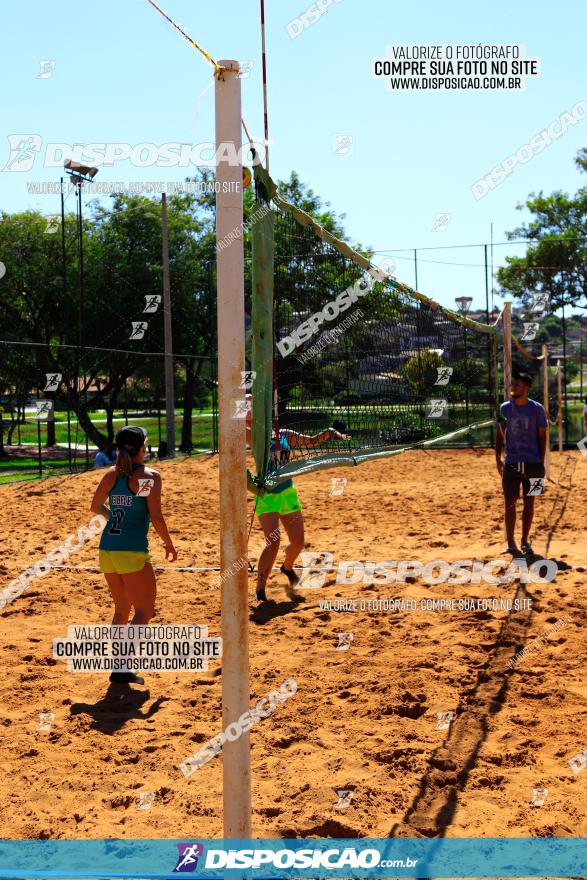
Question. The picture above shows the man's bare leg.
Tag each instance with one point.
(527, 517)
(510, 521)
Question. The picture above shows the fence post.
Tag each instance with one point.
(559, 417)
(39, 445)
(546, 405)
(507, 350)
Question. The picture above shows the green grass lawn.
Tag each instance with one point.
(201, 429)
(25, 467)
(19, 469)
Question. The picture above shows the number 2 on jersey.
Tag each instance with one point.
(118, 514)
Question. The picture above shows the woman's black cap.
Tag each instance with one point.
(131, 438)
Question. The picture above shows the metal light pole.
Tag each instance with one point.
(169, 389)
(80, 174)
(64, 272)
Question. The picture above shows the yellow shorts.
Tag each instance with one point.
(123, 561)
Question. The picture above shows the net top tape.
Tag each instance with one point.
(363, 262)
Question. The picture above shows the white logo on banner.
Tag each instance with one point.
(530, 331)
(247, 377)
(145, 486)
(344, 641)
(578, 762)
(46, 68)
(53, 381)
(444, 374)
(139, 328)
(241, 408)
(338, 485)
(43, 409)
(53, 224)
(441, 222)
(443, 720)
(345, 797)
(539, 795)
(146, 799)
(536, 486)
(437, 409)
(152, 302)
(46, 720)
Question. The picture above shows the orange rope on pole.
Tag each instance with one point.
(218, 70)
(532, 357)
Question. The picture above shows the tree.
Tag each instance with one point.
(35, 306)
(555, 261)
(122, 266)
(421, 371)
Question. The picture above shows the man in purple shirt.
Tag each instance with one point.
(523, 428)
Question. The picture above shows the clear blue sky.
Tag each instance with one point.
(122, 74)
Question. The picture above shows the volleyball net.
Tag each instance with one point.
(338, 343)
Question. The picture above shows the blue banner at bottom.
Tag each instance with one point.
(258, 859)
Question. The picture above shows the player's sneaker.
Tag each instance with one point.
(126, 678)
(292, 582)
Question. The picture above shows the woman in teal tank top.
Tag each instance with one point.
(134, 497)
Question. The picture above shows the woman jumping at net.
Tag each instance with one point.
(134, 493)
(282, 504)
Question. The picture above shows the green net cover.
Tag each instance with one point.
(337, 344)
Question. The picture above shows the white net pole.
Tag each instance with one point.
(233, 471)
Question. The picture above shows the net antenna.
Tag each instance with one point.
(264, 64)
